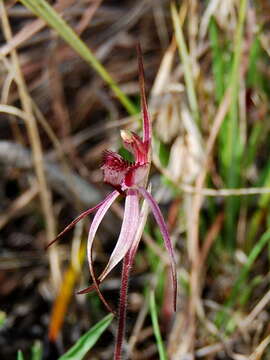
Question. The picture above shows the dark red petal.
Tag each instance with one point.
(165, 234)
(114, 161)
(136, 175)
(135, 145)
(114, 168)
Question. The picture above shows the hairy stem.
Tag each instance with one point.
(127, 263)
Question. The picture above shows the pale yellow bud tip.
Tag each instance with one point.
(126, 136)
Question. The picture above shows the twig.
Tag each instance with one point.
(225, 192)
(18, 204)
(30, 30)
(17, 156)
(255, 311)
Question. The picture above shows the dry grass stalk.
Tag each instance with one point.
(17, 205)
(34, 138)
(29, 30)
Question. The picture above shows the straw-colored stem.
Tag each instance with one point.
(32, 130)
(184, 55)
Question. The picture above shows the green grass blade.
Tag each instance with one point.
(247, 267)
(234, 85)
(36, 351)
(87, 341)
(234, 144)
(222, 317)
(183, 52)
(20, 355)
(42, 9)
(261, 211)
(252, 145)
(154, 317)
(253, 76)
(3, 318)
(255, 81)
(217, 61)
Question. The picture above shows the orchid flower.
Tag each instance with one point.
(130, 180)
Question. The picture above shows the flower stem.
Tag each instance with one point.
(127, 263)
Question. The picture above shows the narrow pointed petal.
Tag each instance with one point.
(133, 249)
(147, 129)
(127, 233)
(134, 144)
(80, 217)
(88, 289)
(164, 231)
(141, 225)
(91, 236)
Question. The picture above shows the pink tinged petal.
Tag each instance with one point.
(133, 249)
(141, 225)
(136, 175)
(127, 233)
(164, 231)
(147, 129)
(80, 217)
(114, 168)
(92, 232)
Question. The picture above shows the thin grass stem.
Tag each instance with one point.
(42, 9)
(154, 317)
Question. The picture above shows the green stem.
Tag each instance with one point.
(42, 9)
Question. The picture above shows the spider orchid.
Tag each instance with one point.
(130, 180)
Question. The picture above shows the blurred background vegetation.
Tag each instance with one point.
(67, 88)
